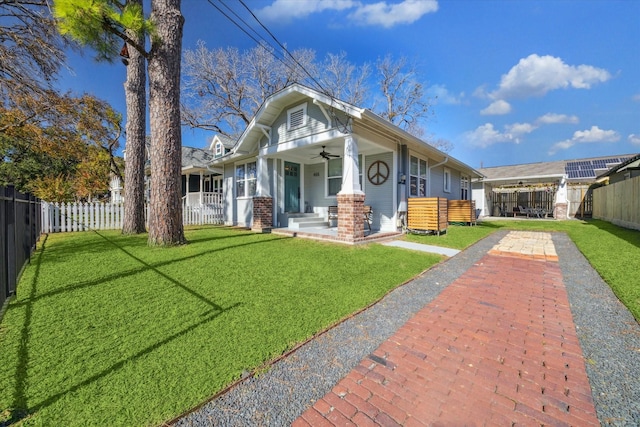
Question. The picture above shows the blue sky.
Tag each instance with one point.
(516, 81)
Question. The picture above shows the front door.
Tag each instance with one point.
(291, 187)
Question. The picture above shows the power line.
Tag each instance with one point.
(262, 41)
(284, 48)
(272, 50)
(346, 125)
(235, 23)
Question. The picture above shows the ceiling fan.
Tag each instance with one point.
(325, 155)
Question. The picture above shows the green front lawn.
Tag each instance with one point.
(613, 251)
(107, 331)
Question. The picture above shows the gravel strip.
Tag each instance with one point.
(608, 334)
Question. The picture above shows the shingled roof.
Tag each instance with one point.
(576, 170)
(195, 157)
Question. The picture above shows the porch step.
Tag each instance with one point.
(307, 221)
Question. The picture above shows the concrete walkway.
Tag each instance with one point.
(422, 248)
(496, 347)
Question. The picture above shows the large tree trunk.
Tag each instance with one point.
(165, 210)
(136, 99)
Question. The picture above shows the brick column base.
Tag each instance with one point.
(350, 217)
(560, 211)
(262, 214)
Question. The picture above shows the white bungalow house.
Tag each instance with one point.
(305, 151)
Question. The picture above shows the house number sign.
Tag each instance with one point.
(378, 172)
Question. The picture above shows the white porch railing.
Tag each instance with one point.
(197, 199)
(65, 217)
(202, 208)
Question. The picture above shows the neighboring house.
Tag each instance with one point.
(199, 180)
(559, 188)
(115, 190)
(305, 151)
(625, 170)
(221, 145)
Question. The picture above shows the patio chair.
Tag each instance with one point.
(368, 216)
(333, 216)
(520, 211)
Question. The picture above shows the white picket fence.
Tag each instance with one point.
(65, 217)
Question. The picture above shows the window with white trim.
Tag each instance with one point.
(417, 177)
(297, 117)
(464, 187)
(447, 180)
(334, 175)
(246, 177)
(218, 151)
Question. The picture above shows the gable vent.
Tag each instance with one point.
(297, 117)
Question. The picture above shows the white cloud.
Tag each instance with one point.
(536, 75)
(553, 118)
(636, 97)
(485, 135)
(481, 92)
(382, 13)
(634, 139)
(387, 15)
(562, 145)
(498, 107)
(595, 134)
(516, 130)
(285, 10)
(444, 96)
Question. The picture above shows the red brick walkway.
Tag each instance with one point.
(497, 347)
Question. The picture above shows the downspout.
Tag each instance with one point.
(401, 219)
(446, 159)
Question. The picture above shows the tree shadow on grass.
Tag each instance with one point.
(20, 408)
(145, 266)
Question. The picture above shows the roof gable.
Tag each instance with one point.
(275, 104)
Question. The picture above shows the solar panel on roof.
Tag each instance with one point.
(572, 166)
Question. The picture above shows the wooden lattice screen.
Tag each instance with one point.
(462, 211)
(427, 214)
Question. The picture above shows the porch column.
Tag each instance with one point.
(201, 179)
(262, 178)
(186, 191)
(350, 197)
(262, 201)
(560, 210)
(262, 214)
(350, 169)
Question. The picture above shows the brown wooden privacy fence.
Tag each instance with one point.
(462, 211)
(19, 233)
(427, 214)
(619, 203)
(65, 217)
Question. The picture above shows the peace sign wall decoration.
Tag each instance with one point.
(378, 172)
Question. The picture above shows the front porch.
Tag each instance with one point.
(330, 234)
